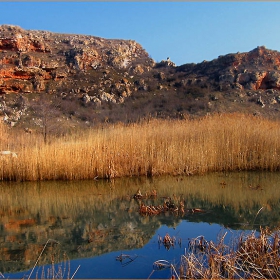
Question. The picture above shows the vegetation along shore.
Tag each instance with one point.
(220, 142)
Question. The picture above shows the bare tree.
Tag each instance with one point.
(47, 115)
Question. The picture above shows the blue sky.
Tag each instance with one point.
(184, 31)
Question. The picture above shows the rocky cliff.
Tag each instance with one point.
(257, 69)
(85, 80)
(32, 61)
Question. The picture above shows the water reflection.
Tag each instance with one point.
(92, 218)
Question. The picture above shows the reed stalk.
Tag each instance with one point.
(251, 256)
(227, 142)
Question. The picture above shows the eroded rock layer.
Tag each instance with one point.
(90, 79)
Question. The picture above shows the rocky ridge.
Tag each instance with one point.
(31, 59)
(257, 69)
(88, 80)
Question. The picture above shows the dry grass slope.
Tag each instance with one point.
(227, 142)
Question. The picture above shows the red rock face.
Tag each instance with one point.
(48, 57)
(37, 57)
(257, 69)
(101, 72)
(17, 224)
(22, 44)
(8, 44)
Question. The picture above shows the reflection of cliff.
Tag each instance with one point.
(91, 218)
(86, 221)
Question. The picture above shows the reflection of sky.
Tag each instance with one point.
(106, 266)
(233, 205)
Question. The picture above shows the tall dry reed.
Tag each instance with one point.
(249, 256)
(214, 143)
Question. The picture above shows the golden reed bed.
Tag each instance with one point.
(227, 142)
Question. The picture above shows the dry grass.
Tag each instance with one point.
(51, 253)
(215, 143)
(251, 256)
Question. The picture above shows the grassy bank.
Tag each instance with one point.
(214, 143)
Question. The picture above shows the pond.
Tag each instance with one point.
(93, 229)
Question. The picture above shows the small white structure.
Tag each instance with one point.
(8, 153)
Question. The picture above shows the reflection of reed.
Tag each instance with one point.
(94, 217)
(77, 198)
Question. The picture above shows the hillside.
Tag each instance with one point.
(82, 81)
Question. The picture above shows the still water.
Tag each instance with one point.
(93, 229)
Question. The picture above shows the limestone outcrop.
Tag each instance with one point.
(96, 80)
(29, 56)
(257, 69)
